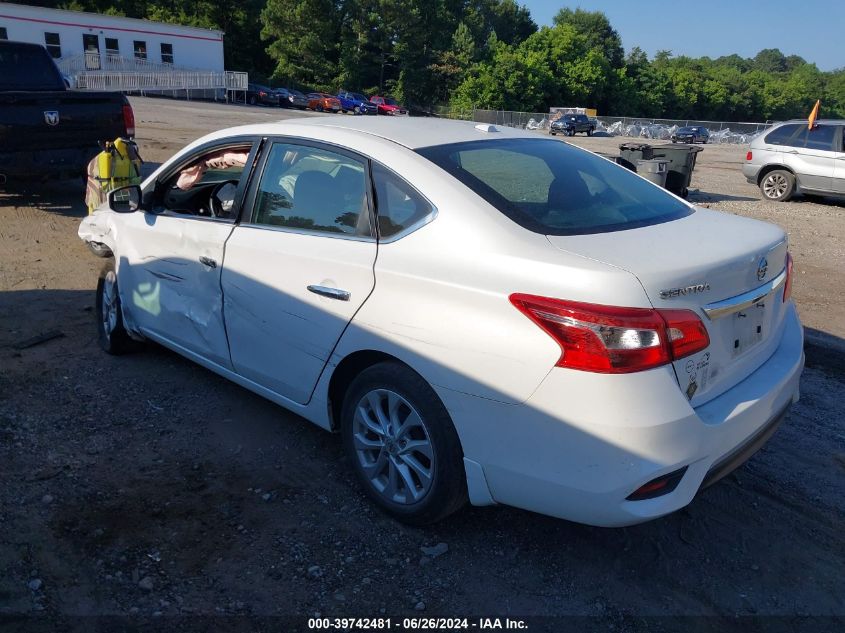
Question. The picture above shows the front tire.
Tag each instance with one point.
(100, 250)
(402, 444)
(778, 185)
(112, 336)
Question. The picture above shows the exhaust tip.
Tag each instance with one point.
(2, 179)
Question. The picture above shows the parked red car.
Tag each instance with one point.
(320, 102)
(386, 105)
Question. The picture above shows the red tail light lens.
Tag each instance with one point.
(128, 119)
(611, 339)
(748, 155)
(787, 286)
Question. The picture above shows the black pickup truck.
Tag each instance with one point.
(47, 130)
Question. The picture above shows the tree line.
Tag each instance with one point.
(489, 54)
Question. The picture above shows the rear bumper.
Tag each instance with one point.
(39, 164)
(750, 171)
(584, 442)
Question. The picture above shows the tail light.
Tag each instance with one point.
(787, 286)
(611, 339)
(748, 155)
(128, 119)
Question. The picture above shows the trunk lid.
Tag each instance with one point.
(695, 263)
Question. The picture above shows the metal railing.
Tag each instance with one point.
(160, 81)
(93, 71)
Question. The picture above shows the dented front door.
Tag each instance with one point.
(169, 275)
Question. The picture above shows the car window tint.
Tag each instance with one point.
(495, 168)
(313, 189)
(781, 135)
(820, 137)
(556, 189)
(399, 206)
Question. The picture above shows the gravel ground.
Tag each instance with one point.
(146, 486)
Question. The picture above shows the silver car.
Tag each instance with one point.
(791, 158)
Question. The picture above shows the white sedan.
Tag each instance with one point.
(484, 314)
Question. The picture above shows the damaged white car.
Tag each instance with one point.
(482, 313)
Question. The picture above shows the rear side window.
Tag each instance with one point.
(782, 135)
(821, 137)
(399, 205)
(556, 189)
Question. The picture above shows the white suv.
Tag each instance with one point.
(792, 158)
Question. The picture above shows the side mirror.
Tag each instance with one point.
(125, 199)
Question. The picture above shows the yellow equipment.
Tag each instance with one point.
(118, 165)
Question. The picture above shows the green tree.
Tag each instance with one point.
(302, 36)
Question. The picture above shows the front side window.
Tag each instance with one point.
(556, 189)
(313, 189)
(54, 44)
(207, 185)
(399, 206)
(112, 46)
(782, 135)
(167, 53)
(139, 49)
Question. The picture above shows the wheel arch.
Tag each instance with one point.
(774, 167)
(346, 371)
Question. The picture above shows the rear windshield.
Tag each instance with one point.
(553, 188)
(26, 67)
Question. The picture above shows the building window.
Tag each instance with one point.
(167, 53)
(140, 49)
(112, 47)
(3, 34)
(54, 44)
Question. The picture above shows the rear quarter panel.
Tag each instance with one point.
(441, 301)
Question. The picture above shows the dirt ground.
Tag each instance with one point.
(145, 486)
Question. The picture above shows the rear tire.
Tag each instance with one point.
(402, 444)
(778, 185)
(590, 132)
(112, 336)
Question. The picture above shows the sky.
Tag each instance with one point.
(813, 29)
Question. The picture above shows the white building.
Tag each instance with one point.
(69, 34)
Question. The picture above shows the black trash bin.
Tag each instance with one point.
(681, 162)
(681, 165)
(631, 153)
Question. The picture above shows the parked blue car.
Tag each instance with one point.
(356, 102)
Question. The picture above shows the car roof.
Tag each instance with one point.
(818, 121)
(412, 133)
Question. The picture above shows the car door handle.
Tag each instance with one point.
(207, 261)
(331, 293)
(791, 152)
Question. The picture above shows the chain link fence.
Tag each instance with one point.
(736, 132)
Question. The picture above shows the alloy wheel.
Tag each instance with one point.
(775, 186)
(393, 447)
(108, 309)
